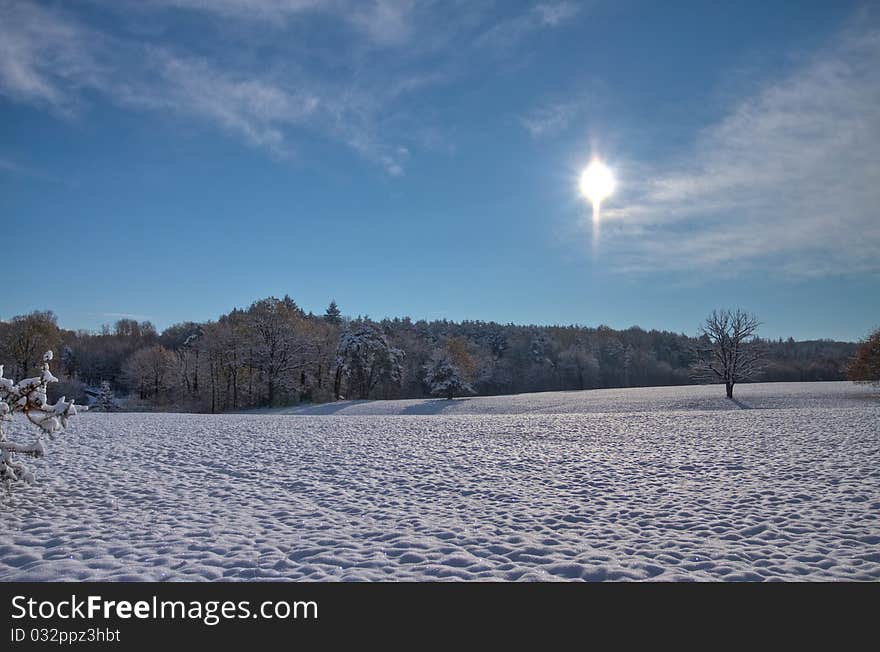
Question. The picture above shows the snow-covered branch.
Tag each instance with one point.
(28, 396)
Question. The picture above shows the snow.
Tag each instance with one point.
(655, 484)
(647, 399)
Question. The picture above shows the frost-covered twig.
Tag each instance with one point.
(28, 396)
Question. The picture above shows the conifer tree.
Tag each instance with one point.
(366, 358)
(444, 377)
(106, 398)
(333, 315)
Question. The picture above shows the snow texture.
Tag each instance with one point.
(640, 484)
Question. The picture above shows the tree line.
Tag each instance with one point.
(274, 353)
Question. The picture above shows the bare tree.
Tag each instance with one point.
(280, 351)
(26, 337)
(149, 370)
(727, 349)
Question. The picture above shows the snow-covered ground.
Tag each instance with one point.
(647, 399)
(663, 483)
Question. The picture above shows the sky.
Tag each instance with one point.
(171, 159)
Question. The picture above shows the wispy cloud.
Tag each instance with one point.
(554, 117)
(383, 22)
(273, 10)
(50, 59)
(256, 109)
(353, 91)
(355, 94)
(556, 13)
(549, 119)
(125, 315)
(45, 59)
(788, 180)
(506, 34)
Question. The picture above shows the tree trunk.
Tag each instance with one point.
(213, 388)
(235, 388)
(337, 384)
(196, 376)
(729, 387)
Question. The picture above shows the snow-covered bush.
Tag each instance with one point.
(28, 396)
(444, 377)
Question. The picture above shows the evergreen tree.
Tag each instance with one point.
(366, 358)
(106, 398)
(333, 314)
(444, 377)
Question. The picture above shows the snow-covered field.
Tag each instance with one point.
(663, 484)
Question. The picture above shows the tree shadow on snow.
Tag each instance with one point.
(435, 406)
(741, 405)
(325, 408)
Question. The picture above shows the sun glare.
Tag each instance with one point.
(597, 183)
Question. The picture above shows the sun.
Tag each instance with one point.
(597, 183)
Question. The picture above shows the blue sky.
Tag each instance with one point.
(176, 158)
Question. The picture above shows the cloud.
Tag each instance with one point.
(506, 34)
(125, 315)
(555, 13)
(257, 73)
(255, 109)
(265, 112)
(549, 119)
(554, 117)
(50, 59)
(45, 59)
(384, 22)
(274, 10)
(788, 180)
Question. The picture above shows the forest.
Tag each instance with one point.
(273, 353)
